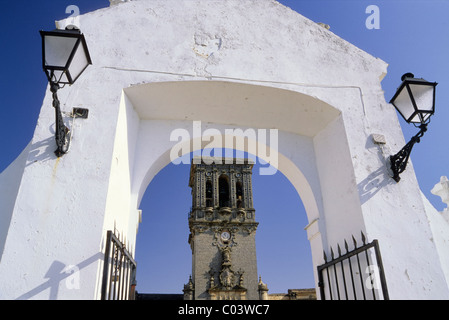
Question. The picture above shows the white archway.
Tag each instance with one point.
(307, 128)
(321, 92)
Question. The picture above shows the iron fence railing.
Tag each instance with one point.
(119, 273)
(355, 275)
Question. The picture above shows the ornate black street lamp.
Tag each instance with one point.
(415, 101)
(64, 57)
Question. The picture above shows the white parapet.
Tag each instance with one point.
(441, 189)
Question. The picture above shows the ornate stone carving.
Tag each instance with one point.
(250, 228)
(226, 253)
(218, 241)
(231, 284)
(227, 275)
(227, 278)
(212, 279)
(200, 228)
(189, 290)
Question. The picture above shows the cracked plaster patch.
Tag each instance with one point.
(206, 45)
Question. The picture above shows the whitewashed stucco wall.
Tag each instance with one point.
(439, 223)
(259, 46)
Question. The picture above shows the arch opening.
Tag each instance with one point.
(163, 253)
(304, 133)
(239, 194)
(223, 190)
(209, 194)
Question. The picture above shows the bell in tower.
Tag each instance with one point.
(222, 231)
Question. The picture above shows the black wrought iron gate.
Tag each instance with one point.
(355, 275)
(119, 273)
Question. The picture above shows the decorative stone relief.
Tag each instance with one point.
(229, 279)
(231, 283)
(199, 229)
(219, 242)
(250, 228)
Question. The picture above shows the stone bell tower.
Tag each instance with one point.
(223, 228)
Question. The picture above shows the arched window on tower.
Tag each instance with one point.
(209, 197)
(239, 194)
(223, 190)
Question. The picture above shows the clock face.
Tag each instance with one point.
(225, 236)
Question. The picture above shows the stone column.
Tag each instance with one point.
(215, 187)
(232, 188)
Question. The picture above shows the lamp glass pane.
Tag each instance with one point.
(423, 95)
(60, 77)
(404, 104)
(79, 62)
(420, 117)
(426, 116)
(416, 119)
(58, 50)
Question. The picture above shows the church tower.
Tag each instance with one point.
(223, 228)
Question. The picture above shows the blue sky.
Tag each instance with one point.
(413, 37)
